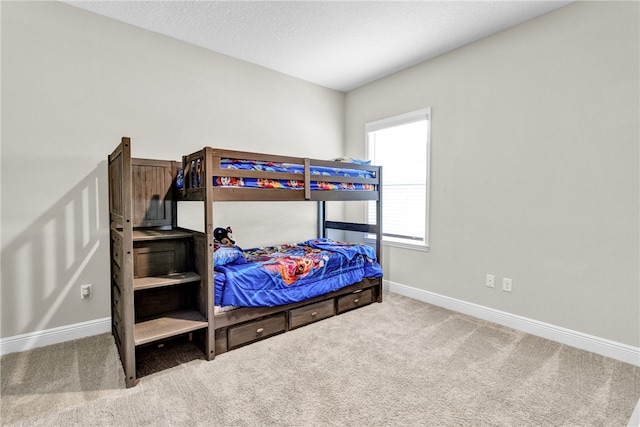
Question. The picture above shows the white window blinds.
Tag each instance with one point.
(401, 146)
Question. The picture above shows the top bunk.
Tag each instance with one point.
(227, 175)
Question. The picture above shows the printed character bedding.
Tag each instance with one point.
(290, 273)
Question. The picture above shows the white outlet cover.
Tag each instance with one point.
(490, 281)
(86, 291)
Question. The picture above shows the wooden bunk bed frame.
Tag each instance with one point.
(162, 275)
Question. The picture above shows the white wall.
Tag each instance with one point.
(74, 83)
(535, 168)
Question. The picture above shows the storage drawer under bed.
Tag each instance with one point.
(356, 299)
(256, 330)
(311, 313)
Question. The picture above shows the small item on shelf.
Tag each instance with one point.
(223, 235)
(180, 178)
(198, 170)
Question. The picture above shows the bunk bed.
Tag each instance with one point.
(166, 280)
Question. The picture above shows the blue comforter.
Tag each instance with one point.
(286, 274)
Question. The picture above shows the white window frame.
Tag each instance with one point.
(406, 118)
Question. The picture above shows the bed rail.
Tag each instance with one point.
(203, 166)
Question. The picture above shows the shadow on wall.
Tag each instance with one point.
(44, 267)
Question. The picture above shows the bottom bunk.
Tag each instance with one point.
(262, 292)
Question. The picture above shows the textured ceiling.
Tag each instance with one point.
(337, 44)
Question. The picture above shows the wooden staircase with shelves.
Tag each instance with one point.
(157, 290)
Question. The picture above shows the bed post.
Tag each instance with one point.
(208, 285)
(379, 216)
(322, 231)
(121, 241)
(379, 228)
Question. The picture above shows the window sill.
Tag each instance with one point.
(419, 248)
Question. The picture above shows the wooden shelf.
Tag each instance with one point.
(140, 235)
(168, 325)
(166, 280)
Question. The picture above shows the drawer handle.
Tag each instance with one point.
(260, 330)
(355, 301)
(314, 314)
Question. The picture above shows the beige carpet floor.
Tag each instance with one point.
(399, 363)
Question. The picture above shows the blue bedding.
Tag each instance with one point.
(286, 274)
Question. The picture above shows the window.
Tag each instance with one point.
(400, 145)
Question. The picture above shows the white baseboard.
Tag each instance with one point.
(604, 347)
(54, 335)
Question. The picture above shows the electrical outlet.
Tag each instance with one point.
(86, 291)
(506, 284)
(490, 281)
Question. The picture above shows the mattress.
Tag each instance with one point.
(285, 274)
